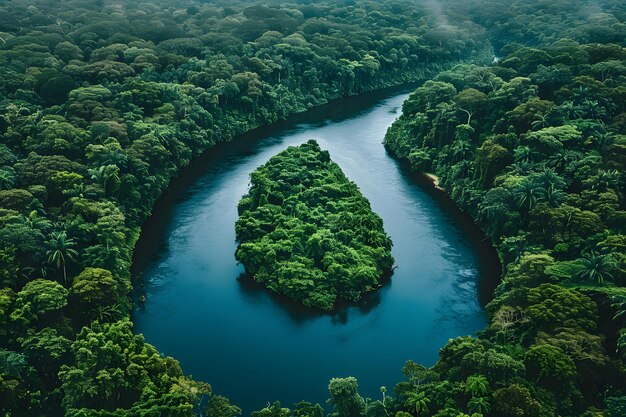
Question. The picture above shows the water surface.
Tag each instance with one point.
(254, 347)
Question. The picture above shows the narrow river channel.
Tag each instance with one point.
(256, 348)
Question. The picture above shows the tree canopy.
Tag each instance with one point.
(102, 103)
(529, 148)
(307, 232)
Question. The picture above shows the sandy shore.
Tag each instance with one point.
(433, 178)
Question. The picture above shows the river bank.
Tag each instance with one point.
(192, 281)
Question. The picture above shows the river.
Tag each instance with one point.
(254, 347)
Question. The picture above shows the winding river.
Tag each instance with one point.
(254, 347)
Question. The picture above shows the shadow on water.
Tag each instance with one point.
(255, 292)
(488, 260)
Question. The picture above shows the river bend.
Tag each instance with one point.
(254, 347)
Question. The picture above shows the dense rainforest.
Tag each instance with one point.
(307, 232)
(102, 102)
(534, 149)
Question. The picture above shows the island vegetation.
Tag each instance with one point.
(307, 232)
(102, 103)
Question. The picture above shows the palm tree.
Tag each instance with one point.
(104, 174)
(81, 191)
(98, 176)
(549, 178)
(569, 109)
(460, 150)
(37, 222)
(383, 390)
(527, 194)
(29, 272)
(620, 307)
(607, 179)
(477, 385)
(581, 92)
(61, 250)
(620, 311)
(523, 154)
(113, 156)
(559, 159)
(77, 192)
(418, 401)
(521, 168)
(107, 313)
(553, 196)
(621, 342)
(595, 267)
(7, 180)
(541, 121)
(603, 140)
(479, 405)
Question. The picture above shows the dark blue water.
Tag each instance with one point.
(254, 347)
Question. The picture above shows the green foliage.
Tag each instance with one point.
(38, 299)
(275, 410)
(101, 106)
(97, 287)
(47, 350)
(307, 409)
(480, 405)
(345, 398)
(102, 103)
(528, 147)
(307, 232)
(595, 267)
(516, 401)
(477, 385)
(549, 365)
(551, 306)
(419, 402)
(301, 409)
(219, 406)
(61, 250)
(616, 406)
(113, 368)
(16, 199)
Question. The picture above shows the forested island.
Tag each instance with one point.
(307, 232)
(103, 102)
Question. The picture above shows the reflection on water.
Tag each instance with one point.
(253, 291)
(254, 346)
